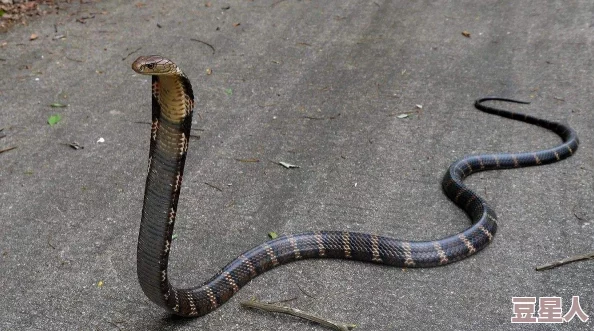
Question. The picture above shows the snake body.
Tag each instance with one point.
(172, 106)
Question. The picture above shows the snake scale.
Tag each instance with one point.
(172, 106)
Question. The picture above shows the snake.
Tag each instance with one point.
(172, 109)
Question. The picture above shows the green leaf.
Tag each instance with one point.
(229, 91)
(2, 12)
(58, 105)
(54, 119)
(272, 235)
(174, 236)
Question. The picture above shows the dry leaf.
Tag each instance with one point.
(466, 34)
(33, 36)
(288, 165)
(74, 145)
(236, 24)
(208, 71)
(29, 5)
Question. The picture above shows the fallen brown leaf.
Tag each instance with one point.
(33, 36)
(466, 34)
(29, 5)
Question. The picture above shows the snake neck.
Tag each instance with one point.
(172, 119)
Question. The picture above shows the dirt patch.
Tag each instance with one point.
(21, 11)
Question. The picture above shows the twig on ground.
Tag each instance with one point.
(251, 160)
(205, 43)
(276, 3)
(134, 51)
(322, 118)
(576, 214)
(215, 187)
(7, 149)
(559, 263)
(115, 324)
(304, 292)
(298, 313)
(73, 59)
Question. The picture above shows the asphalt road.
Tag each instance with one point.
(319, 84)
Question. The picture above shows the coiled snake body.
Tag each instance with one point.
(172, 105)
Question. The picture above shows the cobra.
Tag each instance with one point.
(172, 106)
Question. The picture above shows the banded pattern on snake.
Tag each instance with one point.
(172, 107)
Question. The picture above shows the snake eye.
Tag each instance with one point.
(151, 66)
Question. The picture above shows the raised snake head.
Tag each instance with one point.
(155, 65)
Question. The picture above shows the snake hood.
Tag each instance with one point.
(173, 97)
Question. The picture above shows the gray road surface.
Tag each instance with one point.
(318, 84)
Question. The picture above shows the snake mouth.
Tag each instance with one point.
(137, 67)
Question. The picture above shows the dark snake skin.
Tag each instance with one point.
(172, 104)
